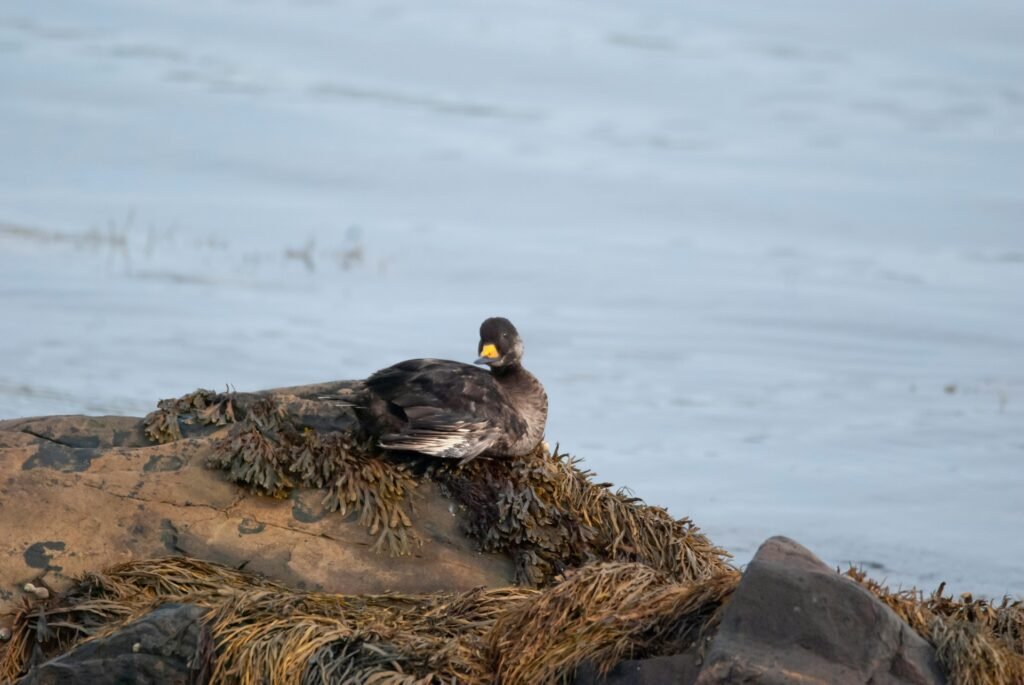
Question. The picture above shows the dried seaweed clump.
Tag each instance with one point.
(263, 632)
(101, 602)
(604, 613)
(976, 641)
(547, 513)
(265, 450)
(388, 639)
(203, 407)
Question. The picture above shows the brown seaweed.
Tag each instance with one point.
(547, 512)
(977, 641)
(264, 632)
(542, 509)
(202, 407)
(604, 613)
(266, 450)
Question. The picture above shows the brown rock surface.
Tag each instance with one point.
(82, 493)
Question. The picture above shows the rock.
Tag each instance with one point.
(81, 493)
(793, 619)
(168, 646)
(677, 669)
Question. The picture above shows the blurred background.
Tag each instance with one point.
(767, 259)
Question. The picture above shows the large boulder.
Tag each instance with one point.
(82, 493)
(794, 616)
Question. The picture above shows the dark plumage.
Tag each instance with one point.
(458, 411)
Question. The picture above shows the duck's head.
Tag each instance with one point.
(500, 344)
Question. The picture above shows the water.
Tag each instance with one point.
(769, 265)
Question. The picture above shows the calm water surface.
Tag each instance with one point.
(770, 265)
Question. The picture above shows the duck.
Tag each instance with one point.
(453, 410)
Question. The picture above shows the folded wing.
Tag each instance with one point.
(444, 409)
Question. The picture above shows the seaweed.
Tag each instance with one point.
(260, 450)
(547, 512)
(266, 450)
(264, 632)
(542, 509)
(601, 614)
(976, 640)
(101, 602)
(203, 407)
(620, 578)
(377, 489)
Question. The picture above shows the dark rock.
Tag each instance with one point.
(794, 620)
(678, 669)
(168, 646)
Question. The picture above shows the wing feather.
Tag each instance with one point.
(448, 437)
(449, 409)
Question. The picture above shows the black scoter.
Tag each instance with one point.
(453, 410)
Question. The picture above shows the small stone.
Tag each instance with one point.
(39, 592)
(137, 647)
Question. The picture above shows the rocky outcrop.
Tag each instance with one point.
(81, 493)
(790, 619)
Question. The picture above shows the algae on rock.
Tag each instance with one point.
(542, 509)
(266, 450)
